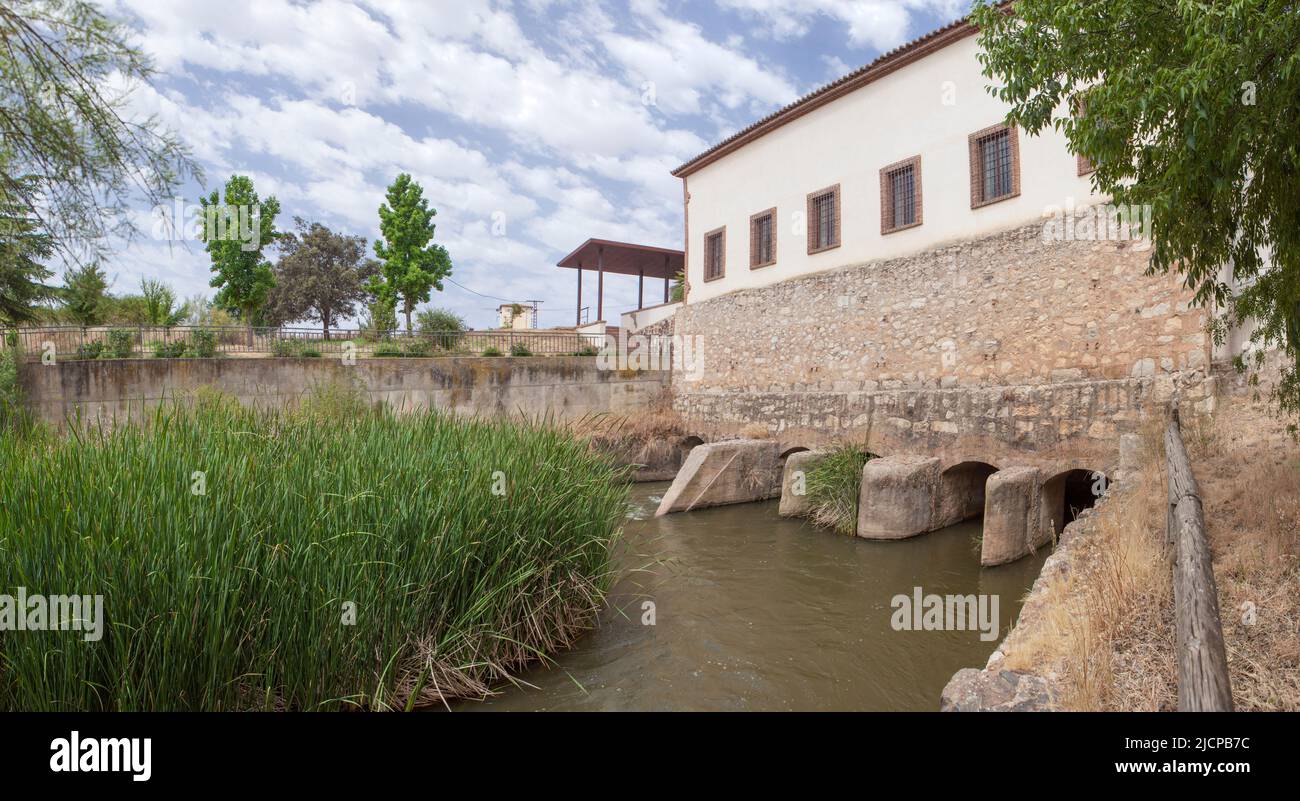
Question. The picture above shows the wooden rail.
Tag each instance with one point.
(1202, 661)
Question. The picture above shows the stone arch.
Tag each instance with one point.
(686, 444)
(961, 491)
(1067, 493)
(792, 449)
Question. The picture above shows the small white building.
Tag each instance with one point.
(517, 316)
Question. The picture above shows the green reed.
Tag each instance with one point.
(834, 483)
(238, 597)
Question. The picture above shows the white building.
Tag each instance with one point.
(517, 316)
(903, 155)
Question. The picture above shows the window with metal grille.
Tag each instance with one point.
(824, 219)
(715, 254)
(900, 195)
(762, 239)
(995, 168)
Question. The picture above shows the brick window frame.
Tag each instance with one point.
(812, 220)
(977, 199)
(1082, 164)
(887, 195)
(721, 234)
(754, 262)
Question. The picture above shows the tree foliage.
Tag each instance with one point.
(85, 294)
(159, 304)
(1188, 108)
(24, 247)
(413, 264)
(74, 157)
(321, 276)
(236, 230)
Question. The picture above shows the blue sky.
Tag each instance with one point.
(532, 125)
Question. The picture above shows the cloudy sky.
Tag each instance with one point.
(532, 125)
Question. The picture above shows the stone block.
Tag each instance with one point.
(898, 498)
(794, 500)
(721, 473)
(1012, 505)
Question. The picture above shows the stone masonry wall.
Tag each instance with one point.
(1006, 348)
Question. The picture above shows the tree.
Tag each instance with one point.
(235, 232)
(160, 304)
(23, 248)
(75, 158)
(412, 264)
(1189, 109)
(85, 294)
(320, 277)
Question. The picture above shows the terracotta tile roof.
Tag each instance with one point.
(880, 67)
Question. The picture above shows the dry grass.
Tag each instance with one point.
(649, 437)
(1113, 578)
(1104, 627)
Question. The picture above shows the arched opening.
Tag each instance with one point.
(685, 445)
(1067, 494)
(961, 491)
(796, 449)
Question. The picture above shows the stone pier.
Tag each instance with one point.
(794, 497)
(898, 497)
(1012, 511)
(720, 473)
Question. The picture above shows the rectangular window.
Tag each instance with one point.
(994, 165)
(900, 195)
(1085, 166)
(824, 219)
(762, 239)
(715, 254)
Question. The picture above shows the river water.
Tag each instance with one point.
(752, 611)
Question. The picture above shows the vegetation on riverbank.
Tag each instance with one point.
(833, 485)
(336, 556)
(1108, 634)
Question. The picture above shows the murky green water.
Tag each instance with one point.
(757, 612)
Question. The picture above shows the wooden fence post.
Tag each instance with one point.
(1203, 684)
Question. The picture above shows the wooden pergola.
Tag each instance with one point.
(622, 258)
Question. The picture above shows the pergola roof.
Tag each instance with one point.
(626, 259)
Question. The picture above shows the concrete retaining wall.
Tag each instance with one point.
(567, 387)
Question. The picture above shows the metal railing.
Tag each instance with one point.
(133, 342)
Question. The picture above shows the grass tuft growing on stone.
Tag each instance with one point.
(833, 484)
(327, 558)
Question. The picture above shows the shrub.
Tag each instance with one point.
(834, 484)
(282, 348)
(90, 350)
(121, 343)
(587, 350)
(445, 329)
(310, 353)
(169, 350)
(387, 349)
(520, 349)
(203, 343)
(418, 348)
(491, 350)
(232, 600)
(11, 391)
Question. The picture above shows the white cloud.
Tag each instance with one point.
(503, 123)
(878, 24)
